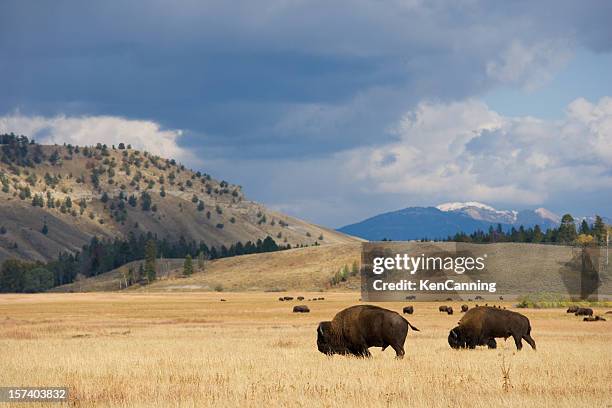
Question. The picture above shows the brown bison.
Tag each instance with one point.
(464, 308)
(288, 298)
(584, 311)
(280, 299)
(301, 309)
(443, 308)
(481, 324)
(449, 310)
(357, 328)
(594, 319)
(572, 309)
(408, 310)
(300, 298)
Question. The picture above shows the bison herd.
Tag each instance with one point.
(585, 311)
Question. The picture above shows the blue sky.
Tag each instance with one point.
(331, 111)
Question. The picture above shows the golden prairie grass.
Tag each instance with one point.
(190, 349)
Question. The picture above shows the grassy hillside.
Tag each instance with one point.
(296, 269)
(518, 269)
(79, 192)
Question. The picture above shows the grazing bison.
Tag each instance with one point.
(223, 300)
(594, 319)
(357, 328)
(464, 308)
(479, 298)
(481, 324)
(300, 298)
(443, 308)
(584, 311)
(411, 297)
(321, 298)
(408, 310)
(449, 310)
(288, 298)
(572, 309)
(301, 309)
(280, 299)
(609, 312)
(449, 299)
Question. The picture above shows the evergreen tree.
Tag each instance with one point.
(599, 230)
(150, 259)
(567, 229)
(584, 228)
(187, 266)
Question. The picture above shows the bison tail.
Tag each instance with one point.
(411, 326)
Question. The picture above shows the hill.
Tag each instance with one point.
(56, 198)
(303, 269)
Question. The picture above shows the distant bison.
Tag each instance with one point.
(301, 309)
(594, 319)
(464, 308)
(223, 300)
(449, 310)
(288, 298)
(449, 299)
(321, 298)
(572, 309)
(411, 297)
(609, 312)
(584, 311)
(408, 310)
(300, 298)
(357, 328)
(443, 308)
(479, 298)
(481, 324)
(281, 299)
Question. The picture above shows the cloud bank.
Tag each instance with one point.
(90, 130)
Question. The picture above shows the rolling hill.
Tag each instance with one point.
(56, 198)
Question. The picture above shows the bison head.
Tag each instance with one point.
(327, 343)
(456, 339)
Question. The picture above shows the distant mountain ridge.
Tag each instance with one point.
(447, 219)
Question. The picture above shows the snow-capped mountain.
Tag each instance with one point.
(449, 218)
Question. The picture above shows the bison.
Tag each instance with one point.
(572, 309)
(464, 308)
(408, 310)
(584, 311)
(443, 308)
(301, 309)
(288, 298)
(594, 319)
(280, 299)
(355, 329)
(300, 298)
(449, 310)
(481, 324)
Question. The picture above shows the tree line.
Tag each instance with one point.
(103, 255)
(566, 234)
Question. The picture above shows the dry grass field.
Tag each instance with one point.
(191, 349)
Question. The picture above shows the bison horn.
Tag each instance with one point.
(454, 333)
(320, 328)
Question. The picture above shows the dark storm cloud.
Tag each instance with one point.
(279, 82)
(251, 73)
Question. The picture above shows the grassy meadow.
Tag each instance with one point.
(193, 350)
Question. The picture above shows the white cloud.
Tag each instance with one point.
(465, 151)
(89, 130)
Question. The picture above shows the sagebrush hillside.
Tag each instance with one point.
(56, 198)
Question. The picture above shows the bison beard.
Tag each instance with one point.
(481, 325)
(355, 329)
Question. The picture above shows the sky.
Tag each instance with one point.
(331, 111)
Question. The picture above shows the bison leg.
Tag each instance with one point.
(517, 341)
(491, 343)
(399, 351)
(530, 340)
